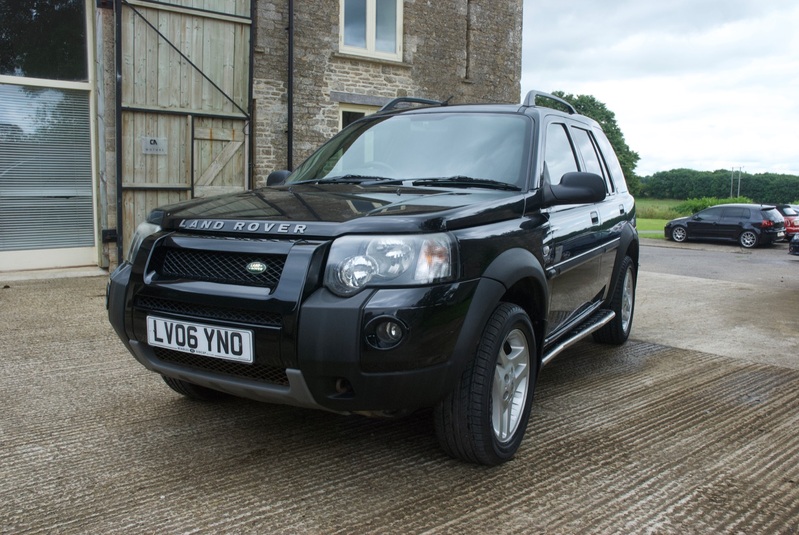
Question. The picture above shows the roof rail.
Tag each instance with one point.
(532, 95)
(413, 100)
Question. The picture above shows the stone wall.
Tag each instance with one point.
(466, 50)
(105, 73)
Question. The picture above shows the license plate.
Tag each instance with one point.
(200, 339)
(780, 234)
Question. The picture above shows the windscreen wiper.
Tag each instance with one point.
(352, 179)
(467, 182)
(343, 179)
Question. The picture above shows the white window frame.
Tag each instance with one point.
(371, 28)
(73, 256)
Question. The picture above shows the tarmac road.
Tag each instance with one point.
(721, 299)
(658, 436)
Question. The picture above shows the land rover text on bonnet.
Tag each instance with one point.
(428, 256)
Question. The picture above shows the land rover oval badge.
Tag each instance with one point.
(256, 268)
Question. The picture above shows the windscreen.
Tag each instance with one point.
(485, 146)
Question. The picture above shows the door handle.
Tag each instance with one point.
(594, 218)
(622, 211)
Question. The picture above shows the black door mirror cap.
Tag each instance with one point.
(575, 188)
(276, 178)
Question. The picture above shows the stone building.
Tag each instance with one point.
(137, 103)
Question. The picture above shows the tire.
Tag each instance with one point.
(623, 304)
(192, 391)
(747, 239)
(679, 233)
(484, 419)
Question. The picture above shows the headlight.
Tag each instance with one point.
(356, 262)
(142, 231)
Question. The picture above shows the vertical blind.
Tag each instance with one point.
(45, 168)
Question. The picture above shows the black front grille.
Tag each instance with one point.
(236, 315)
(215, 266)
(256, 372)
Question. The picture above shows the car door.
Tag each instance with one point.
(572, 251)
(705, 224)
(732, 222)
(614, 210)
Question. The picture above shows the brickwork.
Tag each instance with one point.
(469, 50)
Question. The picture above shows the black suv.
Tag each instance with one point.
(748, 224)
(435, 256)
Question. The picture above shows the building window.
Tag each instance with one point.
(47, 187)
(44, 40)
(349, 113)
(372, 28)
(45, 168)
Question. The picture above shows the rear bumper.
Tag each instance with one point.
(771, 236)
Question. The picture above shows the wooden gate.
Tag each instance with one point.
(185, 82)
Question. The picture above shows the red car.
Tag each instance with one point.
(791, 216)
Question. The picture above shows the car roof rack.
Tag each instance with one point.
(412, 100)
(529, 100)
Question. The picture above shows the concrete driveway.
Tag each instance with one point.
(721, 299)
(678, 431)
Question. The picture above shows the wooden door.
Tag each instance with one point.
(185, 88)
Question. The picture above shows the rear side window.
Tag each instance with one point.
(736, 213)
(587, 149)
(616, 174)
(559, 156)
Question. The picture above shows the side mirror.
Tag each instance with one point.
(575, 188)
(276, 178)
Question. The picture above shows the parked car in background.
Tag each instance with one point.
(793, 247)
(748, 224)
(791, 216)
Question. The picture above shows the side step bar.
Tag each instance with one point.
(594, 323)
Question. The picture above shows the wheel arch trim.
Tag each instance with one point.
(629, 246)
(508, 272)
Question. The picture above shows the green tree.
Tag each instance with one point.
(591, 107)
(720, 184)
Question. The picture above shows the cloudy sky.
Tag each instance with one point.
(702, 84)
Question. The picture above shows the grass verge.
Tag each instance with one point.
(651, 228)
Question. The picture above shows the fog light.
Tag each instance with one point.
(343, 386)
(385, 332)
(389, 332)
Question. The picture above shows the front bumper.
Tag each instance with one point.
(319, 356)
